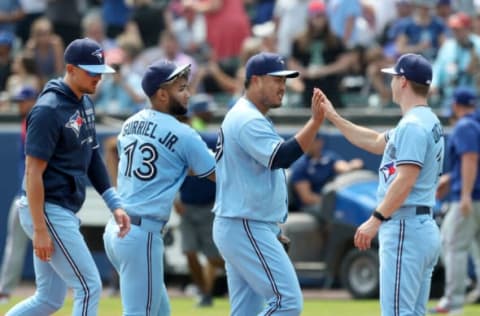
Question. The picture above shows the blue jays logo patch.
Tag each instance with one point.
(99, 54)
(75, 122)
(388, 170)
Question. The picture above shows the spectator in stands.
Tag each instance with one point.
(93, 27)
(24, 73)
(290, 17)
(311, 172)
(121, 93)
(444, 9)
(6, 43)
(10, 14)
(151, 20)
(423, 32)
(385, 53)
(262, 10)
(319, 55)
(342, 17)
(458, 61)
(47, 47)
(190, 30)
(116, 15)
(66, 18)
(200, 111)
(223, 16)
(32, 9)
(16, 240)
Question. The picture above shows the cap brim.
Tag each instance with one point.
(178, 71)
(284, 73)
(97, 69)
(390, 71)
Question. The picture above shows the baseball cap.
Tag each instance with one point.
(24, 93)
(201, 103)
(268, 64)
(160, 72)
(459, 20)
(465, 96)
(87, 54)
(414, 67)
(316, 7)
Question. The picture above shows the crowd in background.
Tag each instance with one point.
(337, 45)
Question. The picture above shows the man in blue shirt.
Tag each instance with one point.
(62, 154)
(461, 226)
(312, 171)
(251, 197)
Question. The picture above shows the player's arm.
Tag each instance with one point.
(98, 175)
(42, 243)
(396, 194)
(365, 138)
(305, 193)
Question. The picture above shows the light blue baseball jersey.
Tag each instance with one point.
(417, 139)
(156, 151)
(246, 186)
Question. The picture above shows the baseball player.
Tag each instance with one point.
(61, 155)
(408, 175)
(251, 191)
(156, 152)
(461, 226)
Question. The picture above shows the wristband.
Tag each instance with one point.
(112, 199)
(379, 216)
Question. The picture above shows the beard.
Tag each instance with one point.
(176, 108)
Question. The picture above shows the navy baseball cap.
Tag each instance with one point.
(87, 54)
(25, 93)
(268, 64)
(465, 96)
(414, 67)
(159, 73)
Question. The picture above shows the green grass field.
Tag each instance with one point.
(185, 307)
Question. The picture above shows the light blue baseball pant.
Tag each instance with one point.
(409, 250)
(138, 259)
(71, 266)
(261, 278)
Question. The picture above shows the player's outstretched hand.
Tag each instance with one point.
(123, 221)
(325, 104)
(42, 244)
(317, 111)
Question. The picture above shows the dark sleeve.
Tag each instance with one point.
(97, 173)
(42, 133)
(287, 153)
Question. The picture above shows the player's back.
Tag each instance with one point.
(153, 162)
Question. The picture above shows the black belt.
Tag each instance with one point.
(419, 210)
(135, 220)
(423, 210)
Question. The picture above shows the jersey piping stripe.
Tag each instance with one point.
(272, 157)
(206, 174)
(409, 162)
(401, 238)
(278, 300)
(149, 271)
(75, 269)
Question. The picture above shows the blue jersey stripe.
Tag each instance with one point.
(149, 271)
(409, 162)
(206, 174)
(398, 269)
(274, 153)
